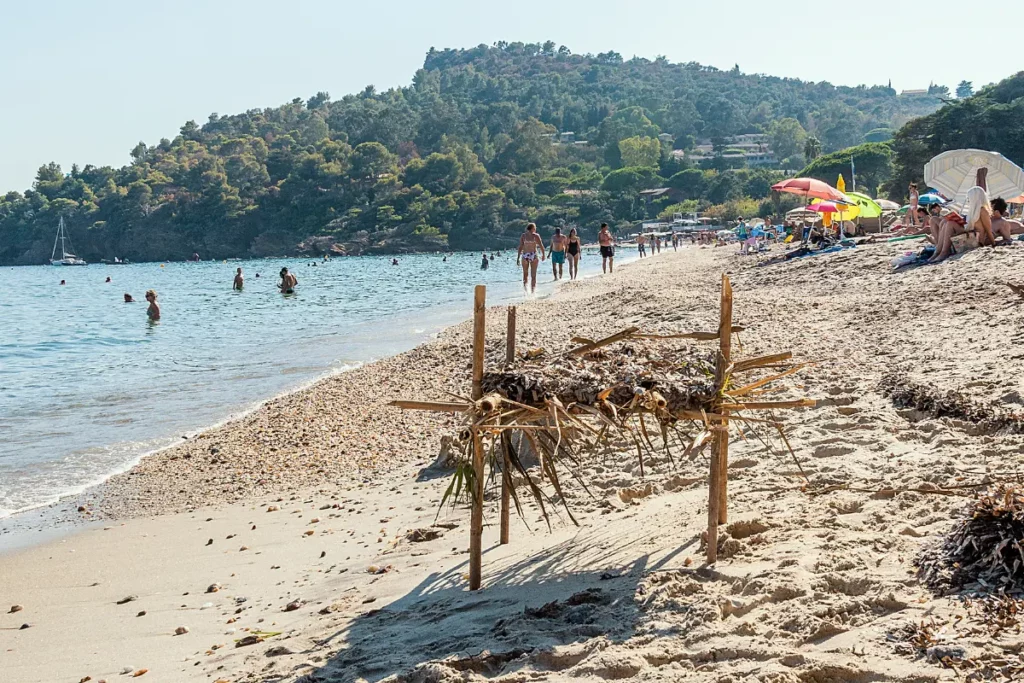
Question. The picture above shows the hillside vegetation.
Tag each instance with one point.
(461, 158)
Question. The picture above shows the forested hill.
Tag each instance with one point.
(475, 147)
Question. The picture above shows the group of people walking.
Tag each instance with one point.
(564, 249)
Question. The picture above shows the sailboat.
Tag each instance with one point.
(66, 257)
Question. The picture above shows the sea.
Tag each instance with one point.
(88, 385)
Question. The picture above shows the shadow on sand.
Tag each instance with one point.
(581, 589)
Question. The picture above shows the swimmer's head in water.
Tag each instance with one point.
(150, 295)
(128, 298)
(531, 227)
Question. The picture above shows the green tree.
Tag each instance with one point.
(787, 137)
(812, 148)
(964, 90)
(640, 151)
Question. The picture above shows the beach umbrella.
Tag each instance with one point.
(810, 187)
(931, 198)
(841, 184)
(843, 212)
(868, 207)
(887, 205)
(1016, 200)
(954, 172)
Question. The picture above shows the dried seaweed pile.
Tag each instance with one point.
(683, 376)
(985, 552)
(906, 394)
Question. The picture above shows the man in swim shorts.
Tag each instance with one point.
(239, 280)
(558, 242)
(641, 244)
(607, 242)
(288, 282)
(531, 252)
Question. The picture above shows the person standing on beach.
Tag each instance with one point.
(531, 248)
(914, 198)
(641, 244)
(657, 245)
(239, 280)
(557, 253)
(675, 241)
(573, 250)
(607, 242)
(153, 312)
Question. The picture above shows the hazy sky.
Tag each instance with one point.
(84, 81)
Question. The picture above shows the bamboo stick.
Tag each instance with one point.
(510, 337)
(437, 406)
(702, 336)
(618, 336)
(477, 519)
(751, 363)
(506, 474)
(725, 349)
(770, 405)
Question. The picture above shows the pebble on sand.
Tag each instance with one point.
(213, 588)
(127, 599)
(15, 608)
(181, 630)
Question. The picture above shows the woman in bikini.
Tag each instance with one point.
(914, 197)
(531, 252)
(979, 221)
(574, 252)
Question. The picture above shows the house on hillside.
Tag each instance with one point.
(914, 93)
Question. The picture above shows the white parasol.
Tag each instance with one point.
(954, 172)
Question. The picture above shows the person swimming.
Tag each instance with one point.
(288, 282)
(239, 280)
(153, 312)
(128, 298)
(108, 278)
(63, 282)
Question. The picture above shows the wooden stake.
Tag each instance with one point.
(510, 337)
(717, 513)
(506, 473)
(477, 519)
(725, 351)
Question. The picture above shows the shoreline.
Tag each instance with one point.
(60, 517)
(322, 560)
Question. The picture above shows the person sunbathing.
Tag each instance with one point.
(1004, 227)
(978, 221)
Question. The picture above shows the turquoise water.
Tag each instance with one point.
(88, 385)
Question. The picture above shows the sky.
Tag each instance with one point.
(83, 82)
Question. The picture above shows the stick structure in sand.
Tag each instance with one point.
(625, 390)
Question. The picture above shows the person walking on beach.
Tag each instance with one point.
(572, 250)
(607, 243)
(657, 245)
(153, 312)
(641, 244)
(288, 282)
(675, 241)
(531, 248)
(239, 280)
(557, 253)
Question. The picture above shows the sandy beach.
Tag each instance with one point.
(292, 524)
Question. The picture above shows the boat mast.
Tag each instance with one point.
(57, 237)
(63, 251)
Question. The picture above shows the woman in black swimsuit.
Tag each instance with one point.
(574, 252)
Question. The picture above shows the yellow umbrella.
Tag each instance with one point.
(841, 184)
